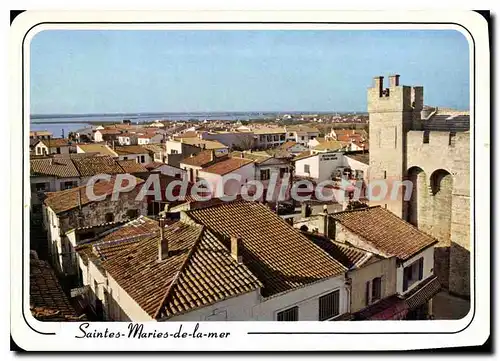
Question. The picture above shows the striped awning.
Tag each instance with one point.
(423, 293)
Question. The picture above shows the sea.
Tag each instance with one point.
(59, 124)
(62, 124)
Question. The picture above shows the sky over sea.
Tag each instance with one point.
(89, 71)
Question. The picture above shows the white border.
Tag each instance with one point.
(475, 333)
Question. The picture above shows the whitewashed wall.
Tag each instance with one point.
(428, 255)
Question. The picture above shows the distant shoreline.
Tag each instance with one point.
(187, 114)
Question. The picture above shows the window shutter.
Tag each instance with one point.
(405, 279)
(367, 293)
(420, 268)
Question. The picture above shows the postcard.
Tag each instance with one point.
(249, 181)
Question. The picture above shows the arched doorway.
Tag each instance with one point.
(415, 207)
(441, 185)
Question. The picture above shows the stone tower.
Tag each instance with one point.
(392, 112)
(430, 149)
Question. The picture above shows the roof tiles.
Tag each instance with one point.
(279, 255)
(385, 231)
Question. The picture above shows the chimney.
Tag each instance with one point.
(236, 248)
(379, 84)
(212, 155)
(393, 80)
(163, 243)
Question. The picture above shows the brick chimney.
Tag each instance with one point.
(236, 248)
(162, 243)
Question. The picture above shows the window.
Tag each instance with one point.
(329, 305)
(154, 208)
(413, 273)
(109, 217)
(40, 187)
(283, 171)
(68, 185)
(290, 134)
(302, 138)
(132, 213)
(376, 289)
(264, 174)
(292, 314)
(306, 168)
(178, 175)
(385, 174)
(451, 140)
(426, 137)
(174, 151)
(125, 158)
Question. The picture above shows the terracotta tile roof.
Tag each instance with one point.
(331, 145)
(66, 200)
(199, 271)
(279, 255)
(131, 166)
(97, 165)
(58, 167)
(257, 158)
(303, 155)
(112, 241)
(48, 302)
(349, 256)
(189, 134)
(130, 149)
(385, 231)
(360, 157)
(287, 145)
(154, 165)
(265, 130)
(108, 131)
(301, 128)
(203, 143)
(154, 148)
(227, 165)
(55, 142)
(97, 148)
(40, 133)
(202, 159)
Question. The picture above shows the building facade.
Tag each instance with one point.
(431, 148)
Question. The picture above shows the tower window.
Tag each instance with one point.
(385, 174)
(451, 141)
(426, 137)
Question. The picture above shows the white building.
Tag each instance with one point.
(267, 137)
(268, 272)
(52, 146)
(328, 166)
(301, 134)
(381, 232)
(166, 169)
(227, 176)
(133, 152)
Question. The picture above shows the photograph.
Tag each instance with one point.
(204, 175)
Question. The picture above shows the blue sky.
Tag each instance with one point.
(181, 71)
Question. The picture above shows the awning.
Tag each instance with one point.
(423, 293)
(390, 308)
